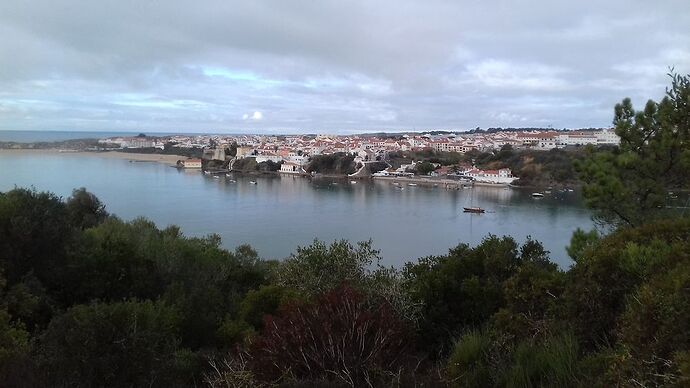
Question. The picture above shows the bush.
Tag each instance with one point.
(118, 345)
(341, 337)
(469, 363)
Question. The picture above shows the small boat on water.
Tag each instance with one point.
(537, 195)
(547, 191)
(412, 184)
(353, 182)
(473, 210)
(252, 182)
(232, 181)
(216, 177)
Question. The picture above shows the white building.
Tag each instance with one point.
(608, 136)
(266, 157)
(190, 163)
(502, 176)
(291, 168)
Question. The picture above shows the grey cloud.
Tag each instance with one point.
(330, 65)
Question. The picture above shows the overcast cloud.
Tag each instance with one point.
(332, 66)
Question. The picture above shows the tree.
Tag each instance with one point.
(85, 209)
(34, 235)
(580, 242)
(319, 268)
(117, 345)
(464, 288)
(424, 168)
(601, 282)
(630, 185)
(232, 150)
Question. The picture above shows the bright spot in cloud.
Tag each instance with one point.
(256, 116)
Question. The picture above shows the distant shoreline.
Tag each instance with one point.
(159, 158)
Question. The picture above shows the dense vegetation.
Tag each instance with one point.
(555, 167)
(338, 163)
(90, 300)
(87, 299)
(249, 165)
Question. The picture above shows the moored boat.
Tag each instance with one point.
(537, 195)
(473, 210)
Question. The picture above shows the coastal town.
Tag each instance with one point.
(371, 154)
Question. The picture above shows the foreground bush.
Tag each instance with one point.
(341, 337)
(117, 345)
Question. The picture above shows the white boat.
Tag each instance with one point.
(537, 195)
(232, 181)
(412, 184)
(216, 177)
(547, 191)
(353, 182)
(252, 182)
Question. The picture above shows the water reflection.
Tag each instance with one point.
(281, 212)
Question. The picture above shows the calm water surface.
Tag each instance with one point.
(280, 213)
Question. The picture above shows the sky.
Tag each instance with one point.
(326, 66)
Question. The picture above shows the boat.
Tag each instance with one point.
(216, 177)
(547, 191)
(537, 195)
(232, 181)
(252, 182)
(412, 184)
(353, 182)
(473, 210)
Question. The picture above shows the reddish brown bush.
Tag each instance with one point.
(341, 337)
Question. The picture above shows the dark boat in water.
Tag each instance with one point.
(473, 210)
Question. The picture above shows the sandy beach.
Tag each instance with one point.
(166, 159)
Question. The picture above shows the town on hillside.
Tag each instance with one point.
(292, 153)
